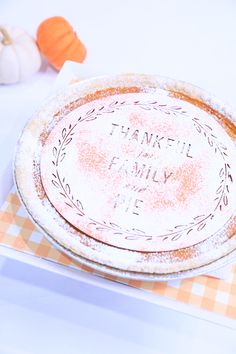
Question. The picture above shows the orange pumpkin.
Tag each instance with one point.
(58, 42)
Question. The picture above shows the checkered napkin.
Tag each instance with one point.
(204, 292)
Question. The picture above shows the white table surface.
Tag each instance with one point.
(195, 41)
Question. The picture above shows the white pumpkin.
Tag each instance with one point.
(19, 55)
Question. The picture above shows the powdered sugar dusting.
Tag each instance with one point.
(166, 193)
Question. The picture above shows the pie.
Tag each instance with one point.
(134, 175)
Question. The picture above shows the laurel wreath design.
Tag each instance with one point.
(198, 223)
(226, 178)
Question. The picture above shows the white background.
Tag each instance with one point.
(189, 40)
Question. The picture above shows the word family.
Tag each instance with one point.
(139, 170)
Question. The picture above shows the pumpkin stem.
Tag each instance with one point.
(6, 40)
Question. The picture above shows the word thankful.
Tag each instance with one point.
(152, 140)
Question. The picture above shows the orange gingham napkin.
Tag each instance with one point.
(204, 292)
